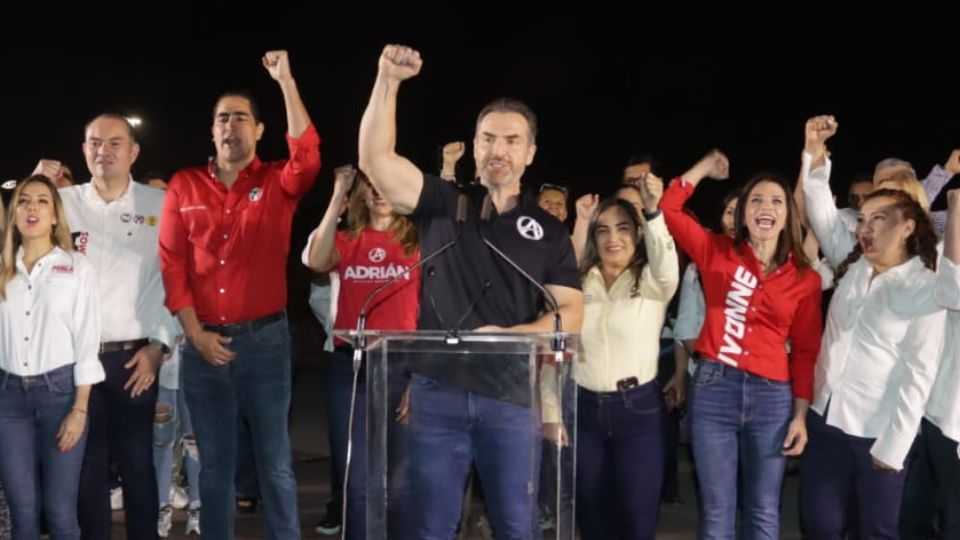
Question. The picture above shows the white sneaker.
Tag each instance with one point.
(116, 498)
(193, 521)
(178, 497)
(165, 521)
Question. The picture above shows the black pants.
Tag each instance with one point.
(932, 493)
(121, 428)
(838, 468)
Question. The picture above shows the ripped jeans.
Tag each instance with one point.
(172, 430)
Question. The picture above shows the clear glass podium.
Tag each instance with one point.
(525, 375)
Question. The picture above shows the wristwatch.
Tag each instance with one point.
(160, 345)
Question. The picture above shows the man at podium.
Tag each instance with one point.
(474, 408)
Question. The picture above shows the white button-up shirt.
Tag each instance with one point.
(120, 240)
(51, 319)
(880, 353)
(835, 229)
(943, 408)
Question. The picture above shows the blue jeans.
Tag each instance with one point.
(621, 456)
(176, 426)
(245, 479)
(739, 420)
(32, 410)
(450, 427)
(256, 386)
(835, 466)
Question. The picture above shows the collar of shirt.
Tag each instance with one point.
(89, 192)
(902, 272)
(40, 264)
(621, 287)
(749, 257)
(245, 174)
(481, 197)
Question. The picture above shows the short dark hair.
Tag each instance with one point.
(510, 105)
(150, 175)
(112, 116)
(245, 94)
(639, 158)
(861, 178)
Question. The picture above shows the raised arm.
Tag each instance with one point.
(300, 171)
(322, 254)
(663, 266)
(692, 237)
(395, 177)
(277, 64)
(585, 205)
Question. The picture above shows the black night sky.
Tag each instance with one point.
(604, 86)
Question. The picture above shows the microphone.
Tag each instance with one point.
(360, 341)
(559, 342)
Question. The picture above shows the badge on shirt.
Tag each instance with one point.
(529, 228)
(136, 219)
(63, 268)
(377, 254)
(80, 240)
(255, 194)
(152, 221)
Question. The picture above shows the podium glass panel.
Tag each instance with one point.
(491, 399)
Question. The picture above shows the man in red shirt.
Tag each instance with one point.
(224, 239)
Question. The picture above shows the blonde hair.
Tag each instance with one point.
(358, 218)
(907, 182)
(59, 234)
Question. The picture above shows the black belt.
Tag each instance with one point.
(244, 327)
(117, 346)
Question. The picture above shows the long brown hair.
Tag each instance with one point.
(922, 243)
(790, 240)
(358, 218)
(59, 233)
(591, 255)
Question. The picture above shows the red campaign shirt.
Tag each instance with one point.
(223, 252)
(750, 316)
(367, 262)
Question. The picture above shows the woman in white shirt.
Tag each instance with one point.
(49, 339)
(628, 281)
(877, 364)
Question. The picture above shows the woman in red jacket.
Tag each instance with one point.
(759, 343)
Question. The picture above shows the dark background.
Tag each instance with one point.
(604, 85)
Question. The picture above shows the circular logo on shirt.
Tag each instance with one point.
(529, 228)
(377, 255)
(255, 194)
(125, 217)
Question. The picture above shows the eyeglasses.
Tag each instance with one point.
(545, 187)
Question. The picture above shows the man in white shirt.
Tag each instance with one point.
(115, 224)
